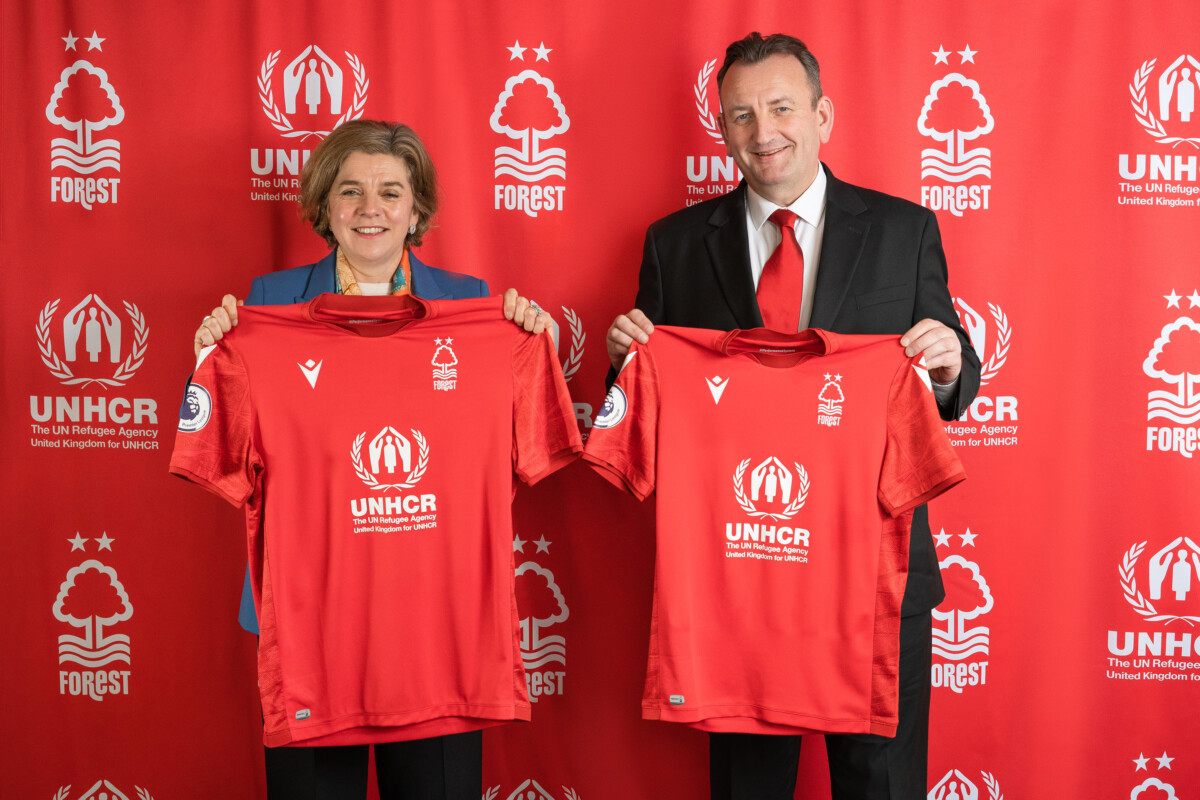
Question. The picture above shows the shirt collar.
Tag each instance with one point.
(808, 206)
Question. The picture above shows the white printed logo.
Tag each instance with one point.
(196, 409)
(542, 606)
(963, 649)
(311, 370)
(1177, 90)
(92, 598)
(445, 376)
(531, 790)
(92, 335)
(614, 409)
(570, 364)
(84, 102)
(1174, 359)
(990, 420)
(977, 329)
(829, 401)
(389, 455)
(102, 790)
(771, 483)
(955, 112)
(314, 88)
(1152, 788)
(716, 386)
(954, 785)
(709, 175)
(530, 111)
(1173, 573)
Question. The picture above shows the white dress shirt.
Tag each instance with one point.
(764, 236)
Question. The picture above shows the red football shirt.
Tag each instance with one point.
(786, 469)
(375, 442)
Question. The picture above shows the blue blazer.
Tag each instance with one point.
(301, 284)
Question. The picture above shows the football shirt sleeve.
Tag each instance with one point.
(545, 436)
(623, 443)
(214, 440)
(918, 462)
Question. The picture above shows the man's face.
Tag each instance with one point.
(771, 128)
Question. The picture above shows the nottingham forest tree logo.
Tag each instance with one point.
(92, 337)
(960, 648)
(445, 363)
(92, 599)
(84, 103)
(830, 399)
(955, 113)
(530, 111)
(1174, 359)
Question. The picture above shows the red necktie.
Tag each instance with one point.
(781, 287)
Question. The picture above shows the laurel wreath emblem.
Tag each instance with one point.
(578, 338)
(1135, 598)
(492, 793)
(701, 91)
(571, 794)
(1141, 108)
(749, 507)
(142, 793)
(410, 480)
(280, 121)
(993, 786)
(59, 369)
(1000, 354)
(62, 792)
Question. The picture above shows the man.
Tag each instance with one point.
(867, 263)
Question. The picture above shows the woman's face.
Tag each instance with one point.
(370, 212)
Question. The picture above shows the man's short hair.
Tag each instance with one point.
(754, 48)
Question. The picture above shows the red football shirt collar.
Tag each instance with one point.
(775, 349)
(368, 316)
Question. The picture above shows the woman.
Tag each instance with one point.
(370, 190)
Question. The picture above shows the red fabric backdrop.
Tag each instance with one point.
(149, 165)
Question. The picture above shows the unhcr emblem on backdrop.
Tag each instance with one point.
(1164, 107)
(84, 102)
(318, 94)
(530, 111)
(93, 337)
(708, 174)
(955, 113)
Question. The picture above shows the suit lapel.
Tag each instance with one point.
(321, 278)
(845, 234)
(424, 282)
(729, 258)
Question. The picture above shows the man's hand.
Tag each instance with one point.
(624, 331)
(528, 314)
(940, 346)
(217, 324)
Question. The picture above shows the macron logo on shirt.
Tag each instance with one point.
(717, 385)
(311, 370)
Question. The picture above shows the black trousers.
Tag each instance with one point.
(439, 768)
(745, 766)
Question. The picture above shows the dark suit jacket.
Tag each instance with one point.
(881, 270)
(301, 284)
